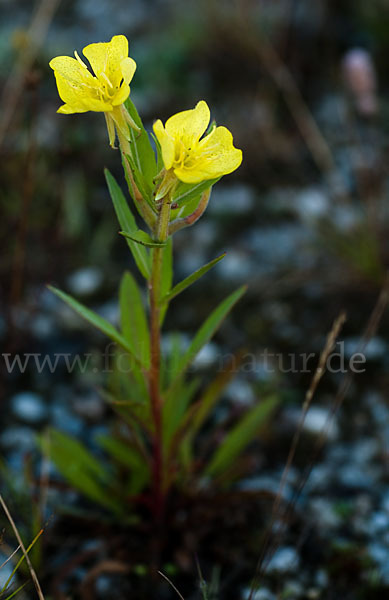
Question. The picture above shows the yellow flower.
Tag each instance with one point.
(104, 90)
(190, 158)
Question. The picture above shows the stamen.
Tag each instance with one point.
(80, 60)
(103, 75)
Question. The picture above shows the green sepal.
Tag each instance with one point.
(142, 150)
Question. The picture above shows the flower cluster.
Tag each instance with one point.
(188, 155)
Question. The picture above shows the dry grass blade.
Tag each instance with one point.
(344, 387)
(20, 542)
(10, 557)
(13, 87)
(171, 584)
(319, 372)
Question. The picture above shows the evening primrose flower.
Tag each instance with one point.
(190, 157)
(105, 90)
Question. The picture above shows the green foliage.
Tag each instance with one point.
(128, 224)
(185, 283)
(208, 329)
(133, 318)
(162, 414)
(240, 436)
(99, 322)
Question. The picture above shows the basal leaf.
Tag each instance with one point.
(241, 435)
(79, 467)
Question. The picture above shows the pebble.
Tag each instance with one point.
(240, 392)
(236, 199)
(318, 421)
(90, 406)
(261, 594)
(29, 408)
(19, 438)
(6, 570)
(62, 418)
(85, 282)
(311, 204)
(323, 514)
(284, 560)
(235, 267)
(207, 356)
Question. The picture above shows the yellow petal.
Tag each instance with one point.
(66, 109)
(71, 93)
(189, 125)
(106, 57)
(166, 142)
(122, 95)
(128, 68)
(218, 156)
(70, 69)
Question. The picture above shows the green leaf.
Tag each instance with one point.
(204, 407)
(240, 436)
(180, 287)
(175, 407)
(209, 327)
(185, 192)
(128, 223)
(99, 322)
(133, 318)
(121, 452)
(141, 237)
(143, 153)
(79, 467)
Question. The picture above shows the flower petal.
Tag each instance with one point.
(189, 125)
(122, 95)
(66, 109)
(70, 69)
(128, 68)
(218, 156)
(166, 142)
(106, 57)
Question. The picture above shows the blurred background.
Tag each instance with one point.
(303, 86)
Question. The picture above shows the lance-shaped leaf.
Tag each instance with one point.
(133, 318)
(141, 237)
(209, 327)
(80, 468)
(99, 322)
(180, 287)
(127, 223)
(241, 435)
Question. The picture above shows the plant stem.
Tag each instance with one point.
(162, 230)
